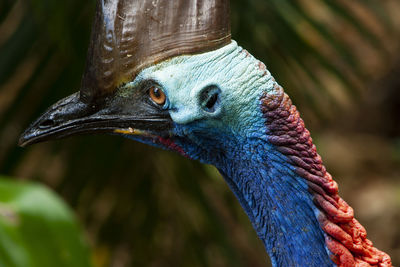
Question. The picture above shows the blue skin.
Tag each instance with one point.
(232, 135)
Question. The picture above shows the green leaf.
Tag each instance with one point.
(38, 229)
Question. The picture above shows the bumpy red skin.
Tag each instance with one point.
(169, 144)
(346, 238)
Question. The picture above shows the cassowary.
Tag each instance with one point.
(166, 73)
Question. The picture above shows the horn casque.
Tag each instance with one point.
(129, 35)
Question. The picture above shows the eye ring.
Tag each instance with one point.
(157, 95)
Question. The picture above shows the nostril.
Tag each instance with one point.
(46, 124)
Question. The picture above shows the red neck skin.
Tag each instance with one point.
(346, 238)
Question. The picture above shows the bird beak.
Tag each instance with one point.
(71, 116)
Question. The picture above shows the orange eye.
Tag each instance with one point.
(157, 95)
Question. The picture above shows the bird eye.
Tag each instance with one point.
(157, 95)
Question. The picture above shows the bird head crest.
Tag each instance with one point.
(129, 35)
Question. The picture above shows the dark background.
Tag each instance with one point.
(338, 60)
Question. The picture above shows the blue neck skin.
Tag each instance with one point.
(278, 205)
(274, 197)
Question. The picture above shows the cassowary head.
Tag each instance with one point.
(184, 86)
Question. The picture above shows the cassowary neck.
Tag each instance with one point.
(291, 200)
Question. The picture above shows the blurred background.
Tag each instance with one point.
(339, 61)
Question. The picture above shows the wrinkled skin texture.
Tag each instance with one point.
(253, 134)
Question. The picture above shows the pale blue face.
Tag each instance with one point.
(212, 98)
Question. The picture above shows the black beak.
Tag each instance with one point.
(71, 116)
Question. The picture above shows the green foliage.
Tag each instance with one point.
(37, 229)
